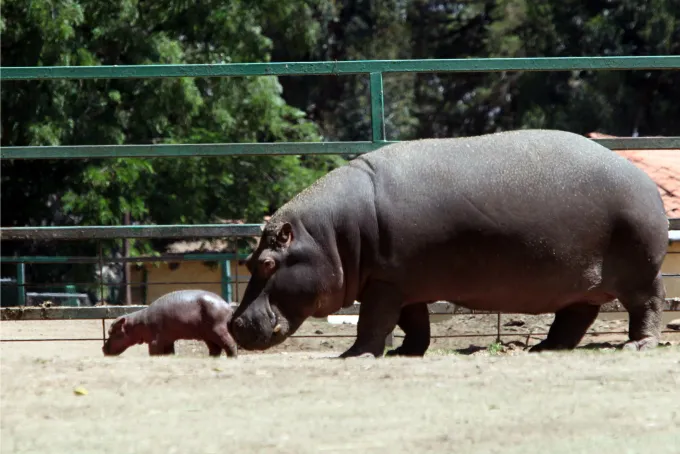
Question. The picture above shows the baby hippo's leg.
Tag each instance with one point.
(224, 339)
(159, 346)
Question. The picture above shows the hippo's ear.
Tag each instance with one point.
(118, 325)
(285, 235)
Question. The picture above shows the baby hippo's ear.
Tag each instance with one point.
(118, 325)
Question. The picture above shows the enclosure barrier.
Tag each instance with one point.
(375, 70)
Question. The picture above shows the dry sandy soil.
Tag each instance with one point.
(462, 397)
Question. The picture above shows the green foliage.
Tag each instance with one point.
(449, 105)
(138, 111)
(127, 111)
(495, 348)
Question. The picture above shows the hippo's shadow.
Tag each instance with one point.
(521, 346)
(504, 348)
(600, 346)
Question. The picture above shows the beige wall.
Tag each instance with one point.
(672, 265)
(168, 280)
(161, 280)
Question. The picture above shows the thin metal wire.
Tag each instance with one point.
(340, 336)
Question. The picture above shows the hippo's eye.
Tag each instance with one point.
(267, 266)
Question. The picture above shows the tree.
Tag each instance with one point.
(138, 111)
(618, 102)
(354, 30)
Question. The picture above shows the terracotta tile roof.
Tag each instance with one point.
(663, 166)
(206, 246)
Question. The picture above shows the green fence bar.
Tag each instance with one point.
(659, 62)
(100, 232)
(262, 149)
(43, 259)
(377, 108)
(225, 274)
(21, 284)
(151, 231)
(187, 150)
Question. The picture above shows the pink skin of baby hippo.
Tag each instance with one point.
(183, 314)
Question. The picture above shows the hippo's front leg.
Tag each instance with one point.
(161, 347)
(378, 315)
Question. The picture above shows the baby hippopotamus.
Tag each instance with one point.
(183, 314)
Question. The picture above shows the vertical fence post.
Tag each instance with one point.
(101, 272)
(21, 284)
(377, 108)
(236, 284)
(145, 282)
(498, 328)
(225, 274)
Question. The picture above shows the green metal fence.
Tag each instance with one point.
(374, 69)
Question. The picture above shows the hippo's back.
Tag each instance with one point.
(526, 176)
(516, 162)
(187, 305)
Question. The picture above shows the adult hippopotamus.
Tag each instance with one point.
(531, 221)
(182, 314)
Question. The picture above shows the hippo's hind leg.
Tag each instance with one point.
(569, 327)
(645, 310)
(414, 320)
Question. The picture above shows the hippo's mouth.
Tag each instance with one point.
(280, 327)
(253, 334)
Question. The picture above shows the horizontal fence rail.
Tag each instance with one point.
(205, 150)
(662, 62)
(131, 231)
(264, 149)
(208, 257)
(151, 231)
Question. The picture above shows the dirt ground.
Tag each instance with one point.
(462, 397)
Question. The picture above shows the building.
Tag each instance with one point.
(152, 280)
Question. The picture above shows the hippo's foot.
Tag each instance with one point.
(647, 343)
(546, 345)
(365, 355)
(645, 307)
(568, 328)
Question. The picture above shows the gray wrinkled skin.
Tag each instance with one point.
(182, 314)
(529, 221)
